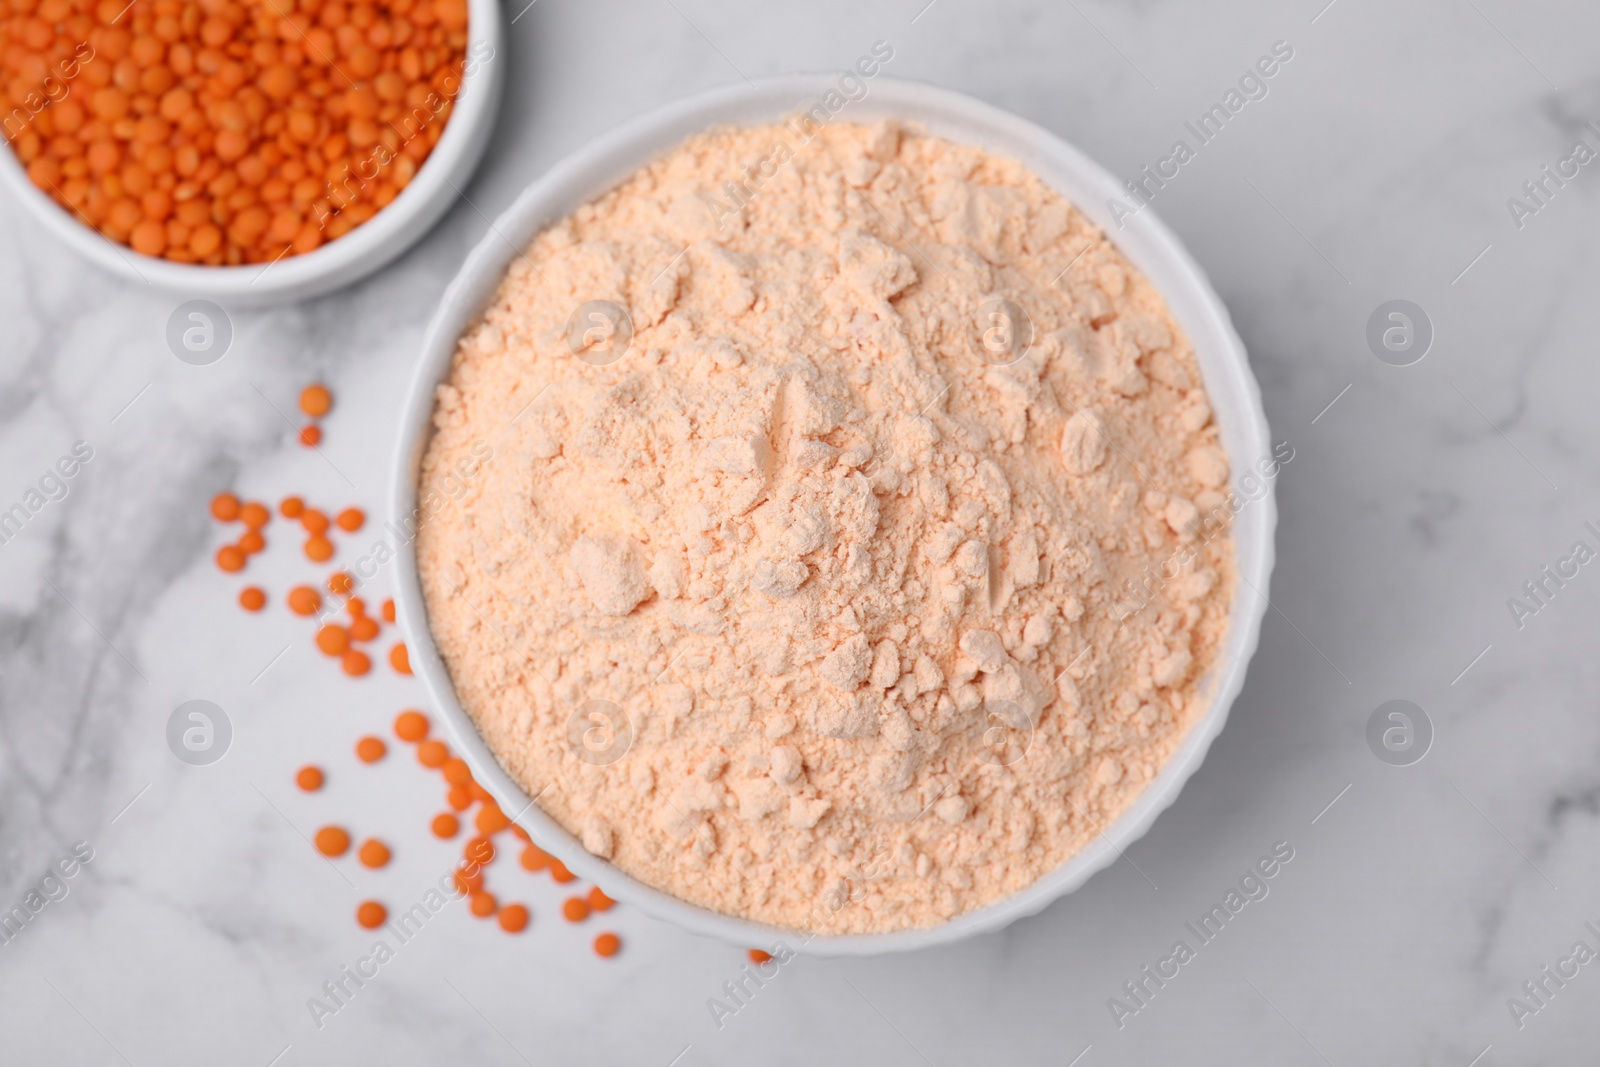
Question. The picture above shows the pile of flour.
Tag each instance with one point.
(802, 592)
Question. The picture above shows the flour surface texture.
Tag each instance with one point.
(846, 554)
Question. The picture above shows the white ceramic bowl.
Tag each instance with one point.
(1145, 241)
(338, 263)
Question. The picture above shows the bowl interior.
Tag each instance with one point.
(360, 252)
(1234, 395)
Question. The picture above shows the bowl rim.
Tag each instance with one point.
(341, 261)
(1147, 243)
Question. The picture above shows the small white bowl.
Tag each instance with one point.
(340, 262)
(1151, 247)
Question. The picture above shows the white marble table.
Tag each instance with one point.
(1378, 166)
